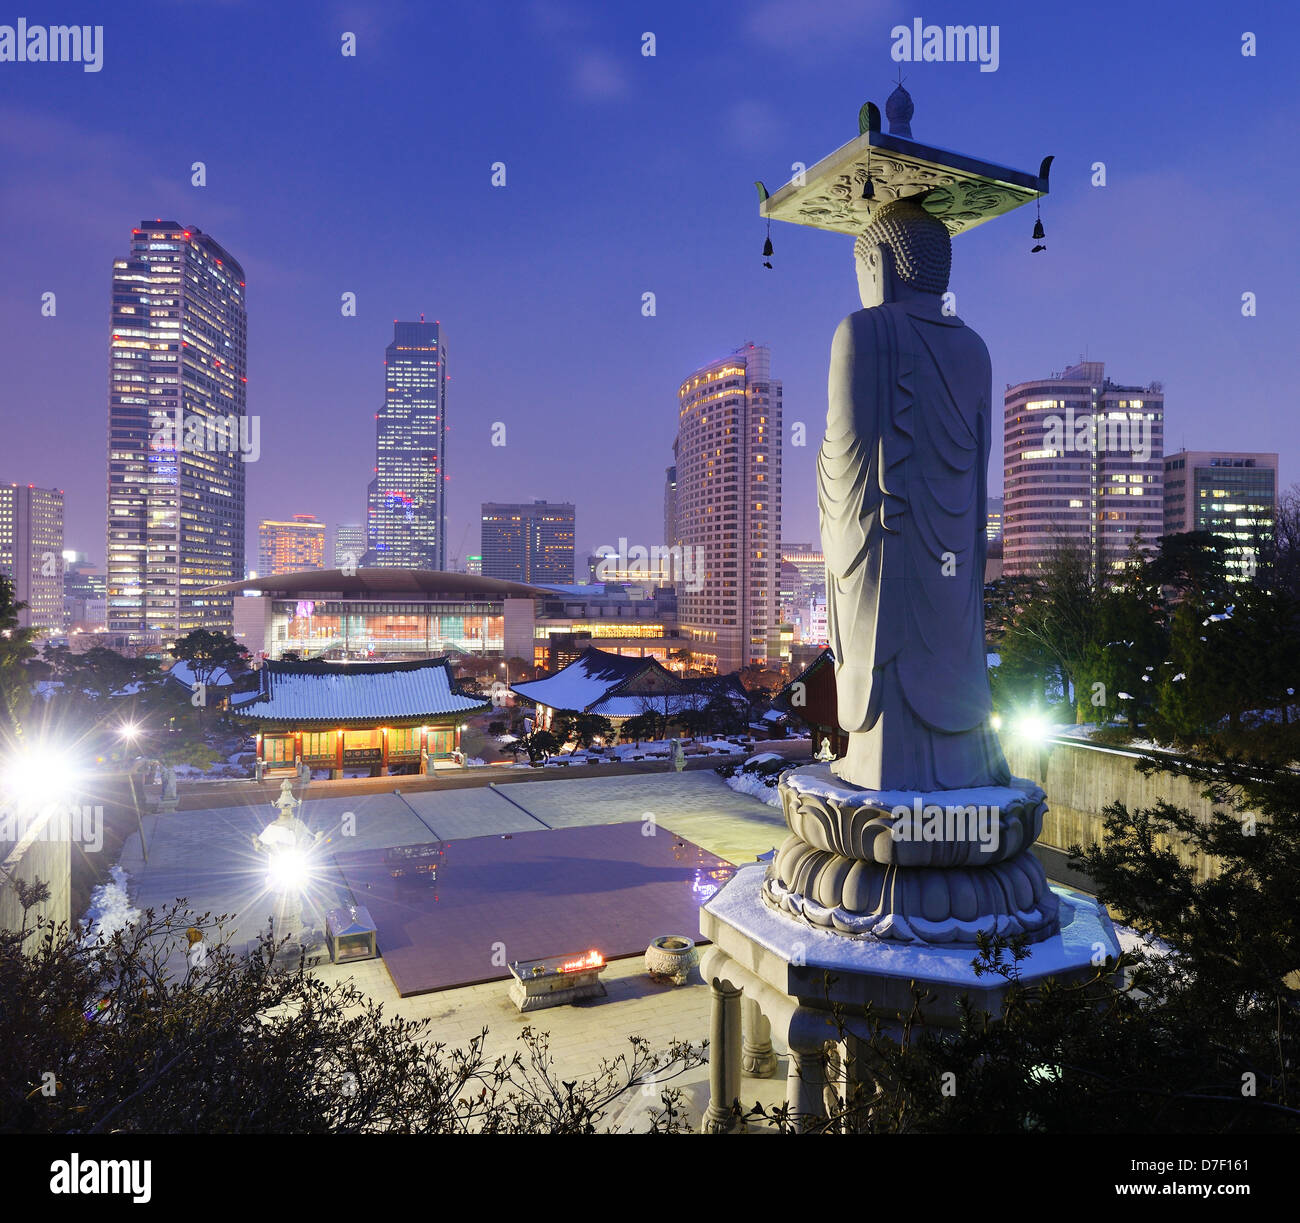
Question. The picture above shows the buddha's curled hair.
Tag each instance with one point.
(919, 242)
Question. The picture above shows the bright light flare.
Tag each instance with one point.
(128, 731)
(38, 775)
(287, 870)
(1033, 726)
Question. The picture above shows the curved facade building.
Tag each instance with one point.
(1083, 467)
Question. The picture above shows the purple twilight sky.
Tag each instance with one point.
(627, 174)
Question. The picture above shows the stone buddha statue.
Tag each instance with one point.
(901, 493)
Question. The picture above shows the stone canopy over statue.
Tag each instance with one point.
(902, 501)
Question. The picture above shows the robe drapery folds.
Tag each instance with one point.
(902, 500)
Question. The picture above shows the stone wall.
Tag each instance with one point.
(1081, 781)
(50, 861)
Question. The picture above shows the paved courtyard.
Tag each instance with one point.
(485, 902)
(207, 857)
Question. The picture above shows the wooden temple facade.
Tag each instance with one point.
(375, 716)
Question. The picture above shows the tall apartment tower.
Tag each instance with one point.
(728, 451)
(178, 433)
(1083, 464)
(349, 544)
(528, 542)
(290, 545)
(406, 507)
(1232, 493)
(31, 552)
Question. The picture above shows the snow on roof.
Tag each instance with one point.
(583, 683)
(183, 673)
(593, 683)
(306, 692)
(633, 706)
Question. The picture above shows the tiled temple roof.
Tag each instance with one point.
(349, 693)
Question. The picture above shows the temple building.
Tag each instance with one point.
(811, 699)
(618, 687)
(404, 716)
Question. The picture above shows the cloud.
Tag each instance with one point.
(780, 25)
(597, 75)
(369, 22)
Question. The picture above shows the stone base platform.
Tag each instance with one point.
(789, 974)
(928, 868)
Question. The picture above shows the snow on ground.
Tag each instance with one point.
(647, 747)
(761, 758)
(753, 785)
(110, 908)
(1131, 940)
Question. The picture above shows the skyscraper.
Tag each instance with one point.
(31, 552)
(994, 519)
(670, 507)
(84, 604)
(1232, 493)
(728, 453)
(528, 541)
(1083, 461)
(289, 546)
(406, 497)
(178, 432)
(349, 544)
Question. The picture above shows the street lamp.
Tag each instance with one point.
(128, 733)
